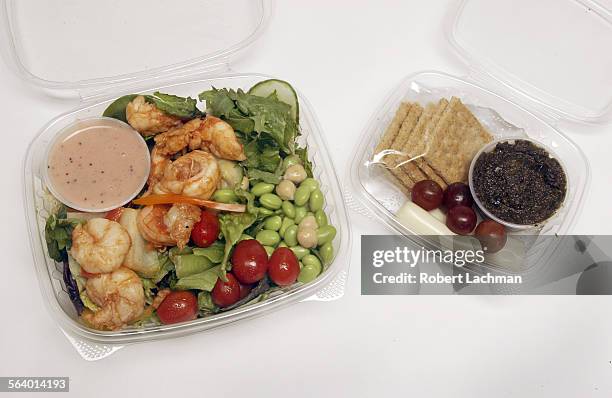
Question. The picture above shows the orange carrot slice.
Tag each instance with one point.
(173, 198)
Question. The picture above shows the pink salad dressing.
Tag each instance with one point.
(97, 165)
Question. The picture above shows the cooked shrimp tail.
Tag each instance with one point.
(147, 119)
(211, 134)
(119, 295)
(100, 245)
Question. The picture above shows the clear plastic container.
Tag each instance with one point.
(530, 66)
(510, 226)
(183, 77)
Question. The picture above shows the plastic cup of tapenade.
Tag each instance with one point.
(518, 183)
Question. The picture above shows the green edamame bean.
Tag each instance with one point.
(270, 201)
(311, 183)
(262, 188)
(269, 250)
(288, 209)
(311, 259)
(316, 200)
(224, 196)
(290, 161)
(266, 212)
(299, 251)
(273, 223)
(321, 218)
(291, 236)
(325, 234)
(302, 194)
(287, 222)
(308, 273)
(268, 238)
(300, 213)
(282, 244)
(327, 252)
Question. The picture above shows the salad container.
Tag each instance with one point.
(531, 65)
(74, 57)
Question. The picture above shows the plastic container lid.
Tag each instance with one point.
(556, 53)
(78, 47)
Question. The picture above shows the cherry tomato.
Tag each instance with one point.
(427, 194)
(227, 293)
(283, 267)
(492, 236)
(178, 306)
(114, 214)
(461, 220)
(205, 231)
(457, 194)
(245, 290)
(249, 261)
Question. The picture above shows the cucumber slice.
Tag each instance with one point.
(284, 92)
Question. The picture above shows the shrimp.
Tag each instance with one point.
(100, 245)
(195, 174)
(211, 134)
(147, 119)
(120, 295)
(164, 225)
(180, 220)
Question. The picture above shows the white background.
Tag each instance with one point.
(345, 57)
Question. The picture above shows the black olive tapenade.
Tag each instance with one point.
(519, 182)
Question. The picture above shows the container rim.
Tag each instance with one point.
(192, 65)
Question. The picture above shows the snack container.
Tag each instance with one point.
(528, 72)
(223, 29)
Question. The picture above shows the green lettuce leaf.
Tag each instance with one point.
(205, 303)
(58, 234)
(232, 227)
(201, 281)
(265, 116)
(214, 252)
(116, 110)
(88, 303)
(185, 108)
(182, 107)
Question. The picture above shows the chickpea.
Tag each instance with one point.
(286, 190)
(308, 222)
(295, 173)
(307, 238)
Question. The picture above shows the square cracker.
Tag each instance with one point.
(415, 147)
(423, 167)
(394, 127)
(454, 142)
(394, 159)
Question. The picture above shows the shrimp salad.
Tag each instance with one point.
(229, 215)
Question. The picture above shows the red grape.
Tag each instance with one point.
(461, 220)
(492, 236)
(457, 194)
(427, 194)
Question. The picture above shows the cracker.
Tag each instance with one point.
(454, 142)
(393, 161)
(394, 127)
(415, 147)
(431, 125)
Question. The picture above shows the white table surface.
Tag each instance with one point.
(345, 57)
